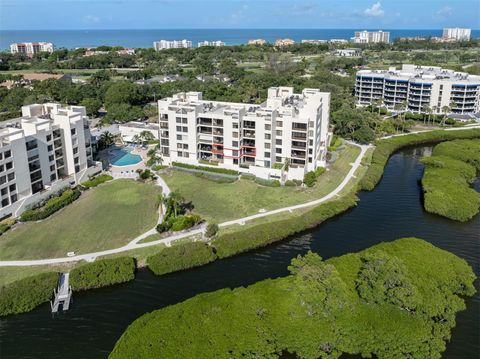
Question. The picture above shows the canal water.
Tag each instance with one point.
(393, 210)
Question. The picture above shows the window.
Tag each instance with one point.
(51, 158)
(52, 168)
(2, 167)
(9, 165)
(184, 120)
(49, 138)
(179, 120)
(279, 124)
(235, 125)
(13, 187)
(75, 150)
(4, 191)
(310, 133)
(267, 145)
(266, 154)
(268, 136)
(8, 154)
(278, 150)
(278, 159)
(75, 160)
(179, 137)
(179, 128)
(278, 142)
(77, 169)
(5, 202)
(185, 154)
(309, 159)
(268, 127)
(73, 131)
(185, 146)
(53, 177)
(235, 134)
(266, 164)
(180, 154)
(235, 161)
(1, 156)
(310, 142)
(11, 176)
(13, 198)
(310, 151)
(235, 143)
(3, 179)
(279, 132)
(50, 148)
(185, 129)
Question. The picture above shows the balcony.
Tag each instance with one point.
(299, 136)
(297, 154)
(250, 134)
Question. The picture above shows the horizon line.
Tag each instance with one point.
(232, 28)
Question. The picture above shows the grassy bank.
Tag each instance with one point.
(323, 309)
(448, 175)
(219, 202)
(385, 148)
(104, 217)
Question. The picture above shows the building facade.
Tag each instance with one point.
(420, 87)
(211, 43)
(175, 44)
(256, 139)
(257, 42)
(371, 37)
(351, 52)
(30, 48)
(457, 34)
(45, 150)
(284, 42)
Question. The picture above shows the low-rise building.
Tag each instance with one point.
(211, 43)
(421, 88)
(371, 37)
(284, 42)
(131, 131)
(30, 48)
(45, 150)
(314, 42)
(457, 34)
(257, 42)
(175, 44)
(352, 52)
(250, 138)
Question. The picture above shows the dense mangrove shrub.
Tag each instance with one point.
(389, 301)
(25, 294)
(95, 181)
(102, 273)
(263, 234)
(447, 178)
(181, 256)
(51, 206)
(386, 147)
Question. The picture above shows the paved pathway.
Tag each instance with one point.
(167, 241)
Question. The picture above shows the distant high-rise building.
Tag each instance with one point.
(211, 43)
(30, 48)
(457, 33)
(371, 37)
(175, 44)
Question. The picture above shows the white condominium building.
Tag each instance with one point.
(421, 87)
(257, 42)
(457, 34)
(175, 44)
(31, 48)
(371, 37)
(46, 149)
(211, 43)
(256, 139)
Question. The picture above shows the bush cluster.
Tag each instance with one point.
(179, 223)
(385, 148)
(248, 176)
(102, 273)
(51, 206)
(6, 224)
(293, 183)
(95, 181)
(205, 168)
(25, 294)
(267, 182)
(180, 257)
(263, 234)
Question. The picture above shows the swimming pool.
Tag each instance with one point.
(123, 157)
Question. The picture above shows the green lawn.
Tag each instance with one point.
(105, 217)
(224, 201)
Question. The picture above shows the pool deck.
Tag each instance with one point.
(129, 169)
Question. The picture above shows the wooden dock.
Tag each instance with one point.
(62, 295)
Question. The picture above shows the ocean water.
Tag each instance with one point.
(144, 38)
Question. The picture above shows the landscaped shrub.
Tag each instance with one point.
(205, 168)
(102, 273)
(309, 179)
(25, 294)
(95, 181)
(320, 171)
(211, 230)
(159, 167)
(184, 222)
(248, 176)
(180, 257)
(267, 182)
(146, 174)
(6, 224)
(51, 206)
(292, 183)
(385, 148)
(263, 234)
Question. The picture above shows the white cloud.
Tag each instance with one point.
(91, 19)
(443, 12)
(375, 10)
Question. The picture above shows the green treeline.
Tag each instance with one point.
(102, 273)
(388, 301)
(446, 181)
(385, 148)
(25, 294)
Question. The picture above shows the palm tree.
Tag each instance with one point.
(176, 199)
(427, 110)
(445, 111)
(434, 110)
(378, 104)
(106, 140)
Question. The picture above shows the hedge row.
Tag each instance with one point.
(102, 273)
(385, 148)
(227, 245)
(94, 182)
(51, 206)
(205, 168)
(181, 256)
(25, 294)
(267, 182)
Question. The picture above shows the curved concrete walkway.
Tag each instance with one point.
(167, 241)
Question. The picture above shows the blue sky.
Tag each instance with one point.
(165, 14)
